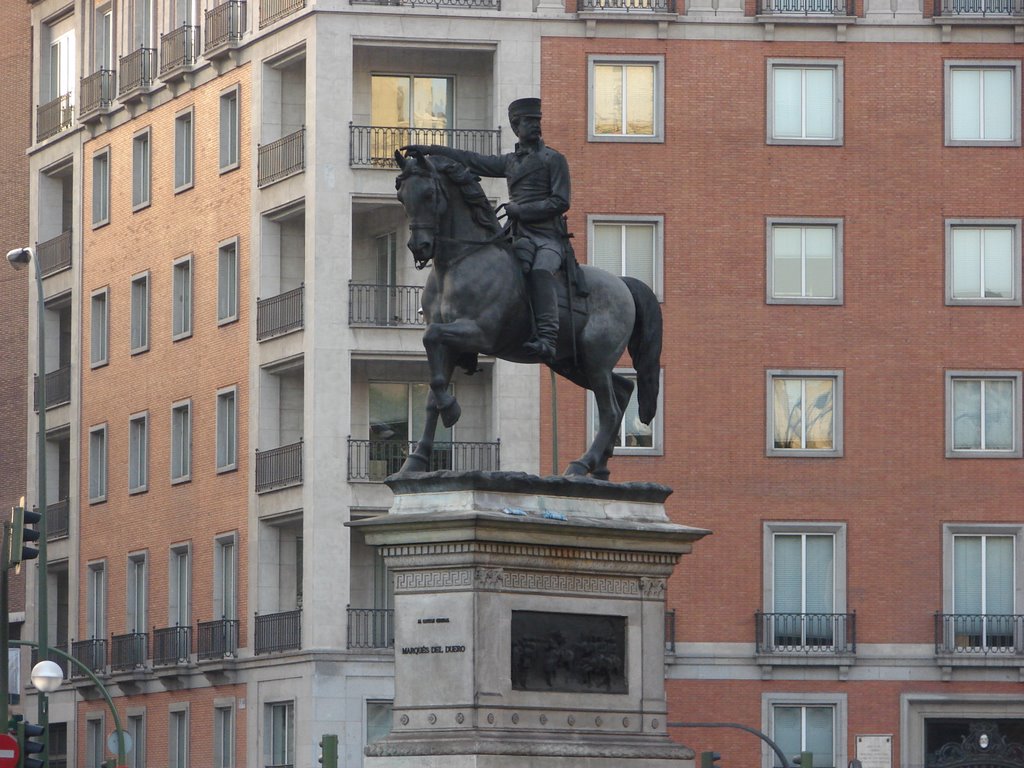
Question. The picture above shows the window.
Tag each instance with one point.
(406, 101)
(805, 261)
(95, 742)
(136, 727)
(805, 413)
(396, 418)
(227, 281)
(183, 151)
(181, 324)
(142, 23)
(802, 728)
(180, 586)
(982, 103)
(279, 743)
(177, 737)
(983, 262)
(138, 452)
(140, 313)
(224, 736)
(983, 414)
(634, 436)
(805, 102)
(103, 37)
(136, 615)
(379, 716)
(98, 328)
(101, 188)
(62, 67)
(227, 436)
(96, 610)
(225, 568)
(629, 246)
(230, 137)
(98, 464)
(626, 99)
(58, 738)
(141, 170)
(181, 442)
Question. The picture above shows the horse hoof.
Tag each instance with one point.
(451, 413)
(600, 474)
(576, 469)
(414, 463)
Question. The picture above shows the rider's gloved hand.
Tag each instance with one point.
(513, 210)
(416, 149)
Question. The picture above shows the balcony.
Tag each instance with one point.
(225, 25)
(279, 467)
(493, 5)
(56, 658)
(282, 158)
(97, 95)
(217, 639)
(373, 146)
(980, 634)
(277, 632)
(58, 388)
(813, 8)
(370, 461)
(983, 9)
(172, 646)
(138, 73)
(128, 652)
(279, 314)
(178, 52)
(54, 254)
(58, 518)
(55, 116)
(627, 6)
(371, 628)
(91, 653)
(806, 633)
(275, 10)
(389, 306)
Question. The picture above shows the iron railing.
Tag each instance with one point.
(58, 519)
(179, 49)
(92, 653)
(282, 158)
(805, 7)
(172, 645)
(128, 651)
(138, 71)
(278, 631)
(395, 306)
(969, 633)
(370, 461)
(56, 658)
(630, 6)
(373, 146)
(670, 631)
(806, 632)
(97, 93)
(371, 628)
(494, 5)
(58, 388)
(274, 10)
(54, 254)
(279, 314)
(997, 8)
(225, 25)
(279, 467)
(55, 116)
(217, 639)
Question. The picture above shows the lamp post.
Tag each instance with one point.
(18, 258)
(46, 677)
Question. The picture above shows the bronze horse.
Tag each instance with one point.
(475, 303)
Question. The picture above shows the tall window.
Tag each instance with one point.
(98, 464)
(804, 413)
(101, 187)
(630, 248)
(96, 610)
(141, 170)
(983, 590)
(625, 100)
(279, 746)
(181, 310)
(138, 452)
(224, 737)
(409, 101)
(181, 442)
(230, 138)
(983, 262)
(183, 151)
(227, 435)
(94, 742)
(805, 102)
(136, 582)
(62, 67)
(804, 262)
(227, 281)
(396, 416)
(185, 12)
(177, 739)
(140, 313)
(806, 729)
(983, 103)
(803, 589)
(180, 582)
(142, 23)
(225, 568)
(103, 39)
(136, 727)
(98, 327)
(984, 414)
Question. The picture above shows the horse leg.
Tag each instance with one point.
(609, 418)
(419, 459)
(439, 358)
(623, 389)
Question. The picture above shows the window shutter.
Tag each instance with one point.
(999, 575)
(607, 249)
(788, 574)
(820, 575)
(967, 574)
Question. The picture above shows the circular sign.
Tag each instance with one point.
(112, 743)
(8, 751)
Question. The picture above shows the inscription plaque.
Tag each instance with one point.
(568, 652)
(875, 751)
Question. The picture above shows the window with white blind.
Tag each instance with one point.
(101, 188)
(983, 262)
(230, 137)
(140, 313)
(141, 170)
(177, 737)
(983, 414)
(805, 101)
(279, 727)
(983, 103)
(626, 99)
(805, 411)
(227, 434)
(98, 464)
(628, 246)
(803, 597)
(805, 728)
(99, 327)
(135, 618)
(138, 452)
(184, 153)
(227, 281)
(181, 298)
(181, 442)
(805, 261)
(224, 736)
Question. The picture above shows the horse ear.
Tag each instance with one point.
(400, 159)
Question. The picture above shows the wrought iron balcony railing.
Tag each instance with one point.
(138, 72)
(172, 645)
(371, 628)
(805, 7)
(629, 6)
(279, 467)
(225, 25)
(278, 631)
(58, 518)
(395, 306)
(92, 653)
(275, 10)
(129, 651)
(97, 94)
(58, 388)
(217, 639)
(282, 158)
(55, 116)
(179, 50)
(823, 633)
(979, 633)
(54, 254)
(494, 5)
(373, 146)
(980, 8)
(370, 461)
(279, 314)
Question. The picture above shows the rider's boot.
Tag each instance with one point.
(544, 298)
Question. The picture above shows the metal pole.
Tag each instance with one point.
(760, 734)
(554, 422)
(42, 616)
(5, 629)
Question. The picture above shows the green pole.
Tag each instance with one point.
(5, 627)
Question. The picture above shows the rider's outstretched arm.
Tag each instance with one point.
(482, 165)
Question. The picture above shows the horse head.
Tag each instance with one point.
(423, 195)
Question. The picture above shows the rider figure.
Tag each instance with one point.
(538, 191)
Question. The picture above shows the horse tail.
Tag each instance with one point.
(645, 347)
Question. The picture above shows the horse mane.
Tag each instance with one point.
(466, 182)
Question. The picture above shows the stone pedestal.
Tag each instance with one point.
(529, 622)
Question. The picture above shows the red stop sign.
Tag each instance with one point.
(8, 751)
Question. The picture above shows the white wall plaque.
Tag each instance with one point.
(875, 751)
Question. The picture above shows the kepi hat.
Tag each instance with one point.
(529, 107)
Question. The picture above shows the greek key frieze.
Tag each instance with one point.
(415, 581)
(530, 581)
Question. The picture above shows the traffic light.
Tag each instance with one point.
(804, 760)
(27, 735)
(329, 750)
(22, 534)
(709, 760)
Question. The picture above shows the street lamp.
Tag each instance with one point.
(47, 676)
(19, 258)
